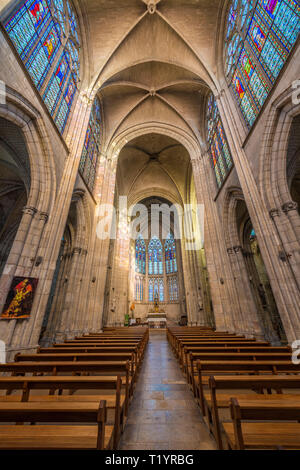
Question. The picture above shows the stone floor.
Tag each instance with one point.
(163, 414)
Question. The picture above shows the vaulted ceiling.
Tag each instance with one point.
(153, 165)
(151, 60)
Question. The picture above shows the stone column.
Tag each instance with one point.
(223, 293)
(65, 321)
(249, 324)
(100, 249)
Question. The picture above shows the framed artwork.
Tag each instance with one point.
(20, 298)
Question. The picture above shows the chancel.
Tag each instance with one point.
(149, 225)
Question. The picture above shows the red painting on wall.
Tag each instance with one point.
(20, 298)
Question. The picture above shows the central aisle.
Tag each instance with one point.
(163, 414)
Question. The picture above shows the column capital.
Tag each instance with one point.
(289, 206)
(197, 158)
(29, 210)
(44, 216)
(274, 213)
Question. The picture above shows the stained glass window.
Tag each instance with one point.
(260, 35)
(156, 289)
(91, 148)
(173, 288)
(139, 289)
(151, 290)
(140, 256)
(46, 35)
(155, 257)
(170, 255)
(218, 146)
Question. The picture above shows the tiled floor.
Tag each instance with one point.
(163, 414)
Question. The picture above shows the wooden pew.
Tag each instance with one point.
(258, 385)
(76, 368)
(208, 368)
(95, 350)
(58, 436)
(84, 357)
(188, 340)
(242, 435)
(191, 368)
(218, 343)
(229, 349)
(87, 347)
(141, 347)
(26, 385)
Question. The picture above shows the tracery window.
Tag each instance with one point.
(139, 288)
(161, 283)
(156, 289)
(170, 255)
(219, 151)
(173, 288)
(91, 148)
(140, 256)
(46, 35)
(260, 35)
(155, 257)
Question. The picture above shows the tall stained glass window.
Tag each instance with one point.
(91, 148)
(139, 288)
(218, 146)
(140, 256)
(173, 288)
(260, 35)
(170, 255)
(156, 289)
(46, 35)
(155, 257)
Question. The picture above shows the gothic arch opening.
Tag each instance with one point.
(259, 280)
(156, 273)
(154, 168)
(14, 184)
(293, 161)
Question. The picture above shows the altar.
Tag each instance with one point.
(157, 317)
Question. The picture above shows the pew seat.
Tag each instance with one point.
(59, 435)
(263, 424)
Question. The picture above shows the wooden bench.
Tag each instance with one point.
(234, 385)
(84, 357)
(76, 368)
(191, 368)
(242, 435)
(221, 343)
(99, 347)
(52, 384)
(229, 349)
(208, 368)
(95, 435)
